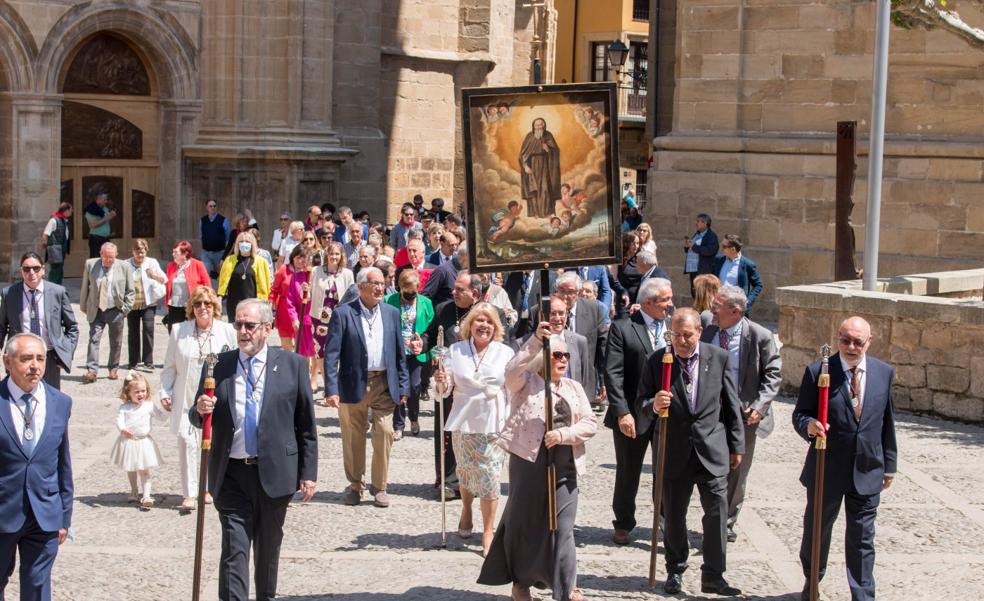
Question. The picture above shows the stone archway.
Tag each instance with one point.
(171, 58)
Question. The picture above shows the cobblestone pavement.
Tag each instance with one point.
(930, 540)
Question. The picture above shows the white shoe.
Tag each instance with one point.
(398, 435)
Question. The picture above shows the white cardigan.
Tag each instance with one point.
(479, 398)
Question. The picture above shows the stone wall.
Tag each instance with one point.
(759, 89)
(933, 342)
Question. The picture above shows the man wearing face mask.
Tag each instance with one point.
(705, 438)
(416, 313)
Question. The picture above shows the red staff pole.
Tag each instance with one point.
(209, 386)
(823, 395)
(664, 417)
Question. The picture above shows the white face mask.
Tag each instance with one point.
(245, 247)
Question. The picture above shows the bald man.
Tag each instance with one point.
(861, 456)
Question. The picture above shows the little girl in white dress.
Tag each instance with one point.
(135, 451)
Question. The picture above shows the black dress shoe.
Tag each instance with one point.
(732, 535)
(719, 587)
(673, 584)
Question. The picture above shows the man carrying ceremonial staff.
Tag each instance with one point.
(705, 438)
(264, 449)
(861, 454)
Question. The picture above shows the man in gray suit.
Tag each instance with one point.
(107, 295)
(41, 308)
(588, 320)
(756, 368)
(577, 345)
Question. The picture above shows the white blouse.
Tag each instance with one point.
(478, 387)
(137, 419)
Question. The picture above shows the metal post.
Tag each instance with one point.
(876, 151)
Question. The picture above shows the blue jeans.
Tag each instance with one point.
(213, 261)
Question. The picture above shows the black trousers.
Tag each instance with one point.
(95, 245)
(859, 540)
(630, 455)
(249, 518)
(134, 320)
(418, 372)
(713, 492)
(175, 315)
(52, 371)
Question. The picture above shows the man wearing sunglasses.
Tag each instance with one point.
(34, 306)
(264, 449)
(407, 223)
(862, 456)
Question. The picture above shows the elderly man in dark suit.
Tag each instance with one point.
(735, 269)
(366, 368)
(587, 319)
(107, 296)
(862, 456)
(440, 286)
(264, 449)
(35, 467)
(43, 309)
(700, 248)
(523, 289)
(631, 341)
(705, 439)
(757, 371)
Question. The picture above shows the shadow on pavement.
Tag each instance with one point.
(421, 593)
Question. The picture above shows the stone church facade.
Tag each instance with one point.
(270, 105)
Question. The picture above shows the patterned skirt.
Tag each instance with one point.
(479, 463)
(320, 330)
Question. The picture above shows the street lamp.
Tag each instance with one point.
(617, 53)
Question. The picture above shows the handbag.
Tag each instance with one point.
(55, 254)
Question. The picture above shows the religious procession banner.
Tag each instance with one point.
(541, 173)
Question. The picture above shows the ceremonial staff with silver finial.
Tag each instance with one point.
(439, 352)
(823, 395)
(209, 385)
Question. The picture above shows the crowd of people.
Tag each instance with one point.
(359, 309)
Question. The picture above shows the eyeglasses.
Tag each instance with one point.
(306, 239)
(249, 326)
(848, 341)
(285, 219)
(31, 268)
(408, 214)
(206, 304)
(560, 355)
(211, 206)
(376, 284)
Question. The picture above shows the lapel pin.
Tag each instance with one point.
(274, 369)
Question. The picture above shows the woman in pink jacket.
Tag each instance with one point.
(521, 552)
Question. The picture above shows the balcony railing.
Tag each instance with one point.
(631, 102)
(640, 10)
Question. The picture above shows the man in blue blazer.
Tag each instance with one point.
(861, 452)
(36, 488)
(735, 269)
(264, 449)
(366, 368)
(700, 248)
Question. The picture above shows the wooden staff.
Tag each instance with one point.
(210, 360)
(548, 402)
(664, 418)
(439, 352)
(823, 395)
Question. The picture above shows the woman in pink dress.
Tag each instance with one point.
(278, 299)
(299, 309)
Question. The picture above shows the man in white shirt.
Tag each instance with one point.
(366, 368)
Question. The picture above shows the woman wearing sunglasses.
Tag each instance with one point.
(524, 552)
(190, 342)
(474, 375)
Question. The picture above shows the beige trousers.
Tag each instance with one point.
(353, 418)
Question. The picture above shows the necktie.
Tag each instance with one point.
(582, 272)
(856, 392)
(723, 339)
(689, 366)
(527, 280)
(104, 291)
(249, 427)
(570, 321)
(654, 334)
(30, 438)
(35, 318)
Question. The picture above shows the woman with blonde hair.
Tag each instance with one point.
(148, 287)
(645, 233)
(329, 282)
(243, 274)
(189, 344)
(474, 376)
(524, 551)
(705, 289)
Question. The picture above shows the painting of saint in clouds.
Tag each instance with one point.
(540, 173)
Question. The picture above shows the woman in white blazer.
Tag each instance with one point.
(190, 342)
(148, 287)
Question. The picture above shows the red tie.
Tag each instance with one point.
(723, 338)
